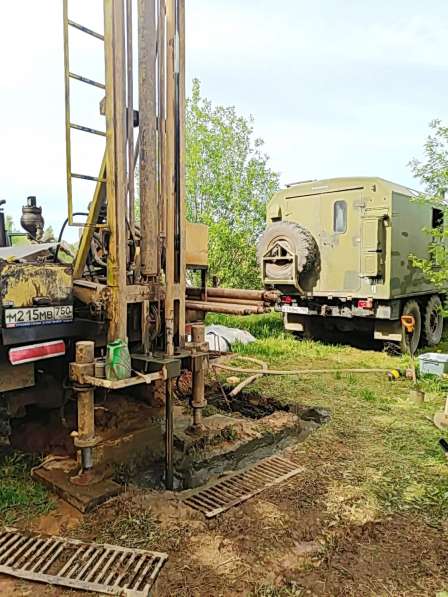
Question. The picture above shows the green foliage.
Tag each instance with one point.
(260, 326)
(228, 185)
(433, 173)
(20, 496)
(9, 224)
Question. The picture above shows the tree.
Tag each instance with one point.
(433, 173)
(9, 224)
(228, 183)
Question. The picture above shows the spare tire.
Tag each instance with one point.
(294, 238)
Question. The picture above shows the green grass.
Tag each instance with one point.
(260, 326)
(20, 497)
(391, 459)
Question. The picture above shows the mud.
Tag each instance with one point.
(256, 427)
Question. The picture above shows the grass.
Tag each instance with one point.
(21, 499)
(269, 591)
(260, 326)
(126, 521)
(392, 462)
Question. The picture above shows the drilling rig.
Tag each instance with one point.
(125, 291)
(140, 293)
(117, 318)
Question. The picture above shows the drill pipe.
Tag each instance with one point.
(269, 296)
(234, 309)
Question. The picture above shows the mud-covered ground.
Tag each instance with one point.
(366, 517)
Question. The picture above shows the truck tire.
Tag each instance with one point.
(410, 341)
(432, 321)
(296, 239)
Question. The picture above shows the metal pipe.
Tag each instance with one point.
(234, 301)
(85, 355)
(161, 120)
(131, 183)
(205, 307)
(148, 137)
(198, 401)
(169, 180)
(169, 429)
(115, 63)
(3, 235)
(238, 293)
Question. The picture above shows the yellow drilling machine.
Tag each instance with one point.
(115, 319)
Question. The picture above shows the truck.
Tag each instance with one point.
(342, 254)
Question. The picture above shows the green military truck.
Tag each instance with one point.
(339, 251)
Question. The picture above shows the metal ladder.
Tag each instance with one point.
(69, 125)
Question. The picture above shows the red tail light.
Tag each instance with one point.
(287, 300)
(365, 304)
(36, 352)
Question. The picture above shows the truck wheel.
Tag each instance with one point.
(433, 321)
(411, 340)
(291, 237)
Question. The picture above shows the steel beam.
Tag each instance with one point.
(149, 224)
(115, 65)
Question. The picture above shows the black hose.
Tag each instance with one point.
(77, 213)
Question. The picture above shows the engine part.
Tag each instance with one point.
(32, 220)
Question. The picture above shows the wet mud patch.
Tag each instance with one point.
(254, 405)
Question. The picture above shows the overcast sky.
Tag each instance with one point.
(336, 87)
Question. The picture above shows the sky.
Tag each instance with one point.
(336, 87)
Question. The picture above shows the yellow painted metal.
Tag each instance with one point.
(94, 210)
(22, 283)
(68, 146)
(196, 238)
(67, 23)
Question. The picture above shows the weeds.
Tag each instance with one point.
(367, 394)
(392, 448)
(269, 591)
(129, 522)
(260, 326)
(20, 497)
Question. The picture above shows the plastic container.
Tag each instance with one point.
(433, 363)
(118, 361)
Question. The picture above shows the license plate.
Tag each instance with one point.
(295, 309)
(15, 318)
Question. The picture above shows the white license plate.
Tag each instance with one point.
(295, 309)
(37, 315)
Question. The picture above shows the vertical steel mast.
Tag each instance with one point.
(116, 167)
(143, 273)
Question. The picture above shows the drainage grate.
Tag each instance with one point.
(235, 489)
(106, 569)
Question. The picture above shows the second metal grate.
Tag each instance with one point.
(235, 489)
(105, 569)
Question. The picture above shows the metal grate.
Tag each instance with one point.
(105, 569)
(235, 489)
